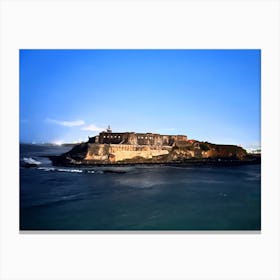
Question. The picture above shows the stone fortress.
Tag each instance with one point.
(118, 146)
(129, 147)
(132, 138)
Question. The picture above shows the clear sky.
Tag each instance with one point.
(208, 95)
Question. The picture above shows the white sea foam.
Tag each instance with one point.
(95, 171)
(70, 170)
(47, 168)
(31, 161)
(60, 169)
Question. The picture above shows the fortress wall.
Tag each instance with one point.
(122, 155)
(97, 152)
(115, 152)
(112, 138)
(114, 148)
(133, 138)
(165, 140)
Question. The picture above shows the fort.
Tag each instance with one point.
(132, 138)
(110, 147)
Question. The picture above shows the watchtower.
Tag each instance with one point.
(109, 130)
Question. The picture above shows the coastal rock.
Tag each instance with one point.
(110, 148)
(93, 153)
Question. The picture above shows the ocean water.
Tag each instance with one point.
(143, 198)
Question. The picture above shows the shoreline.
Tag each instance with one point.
(57, 161)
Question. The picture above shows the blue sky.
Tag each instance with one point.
(209, 95)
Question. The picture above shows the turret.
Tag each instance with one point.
(109, 130)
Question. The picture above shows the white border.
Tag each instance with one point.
(140, 24)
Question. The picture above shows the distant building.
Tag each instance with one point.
(132, 138)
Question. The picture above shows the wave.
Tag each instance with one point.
(46, 168)
(31, 161)
(69, 170)
(80, 170)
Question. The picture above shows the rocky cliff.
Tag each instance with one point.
(181, 152)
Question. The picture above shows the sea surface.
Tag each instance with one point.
(143, 198)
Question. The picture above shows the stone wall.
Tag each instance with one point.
(113, 138)
(115, 152)
(133, 138)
